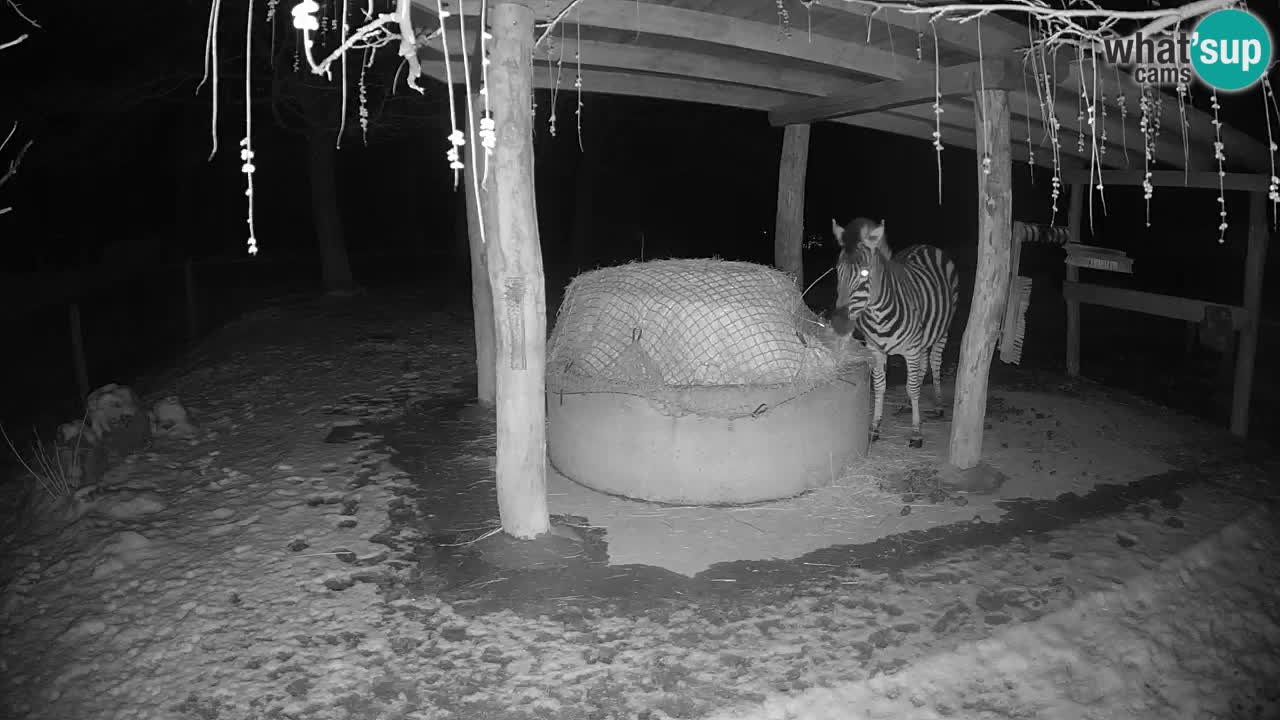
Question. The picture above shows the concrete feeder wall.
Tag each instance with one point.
(623, 444)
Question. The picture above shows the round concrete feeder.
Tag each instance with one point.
(777, 445)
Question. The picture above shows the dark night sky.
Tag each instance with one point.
(112, 166)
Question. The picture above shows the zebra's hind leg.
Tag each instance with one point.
(915, 378)
(935, 369)
(877, 384)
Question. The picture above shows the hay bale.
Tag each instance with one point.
(690, 323)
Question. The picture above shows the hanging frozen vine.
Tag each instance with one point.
(488, 129)
(211, 63)
(937, 108)
(577, 83)
(1049, 105)
(1102, 111)
(555, 77)
(1123, 103)
(1219, 154)
(1034, 58)
(1268, 105)
(1145, 105)
(470, 110)
(1095, 157)
(246, 144)
(342, 40)
(456, 137)
(982, 105)
(1081, 101)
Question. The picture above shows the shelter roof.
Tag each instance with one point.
(847, 63)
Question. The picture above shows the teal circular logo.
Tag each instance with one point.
(1231, 49)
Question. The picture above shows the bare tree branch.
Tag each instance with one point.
(23, 15)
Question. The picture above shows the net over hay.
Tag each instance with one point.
(674, 324)
(700, 381)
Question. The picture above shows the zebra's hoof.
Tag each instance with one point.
(916, 442)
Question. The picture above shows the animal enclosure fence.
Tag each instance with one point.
(1244, 319)
(87, 326)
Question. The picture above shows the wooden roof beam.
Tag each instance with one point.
(711, 93)
(680, 63)
(1249, 182)
(999, 35)
(653, 19)
(662, 20)
(611, 82)
(921, 88)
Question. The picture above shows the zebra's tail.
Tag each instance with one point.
(1015, 320)
(1041, 234)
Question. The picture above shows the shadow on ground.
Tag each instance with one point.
(446, 447)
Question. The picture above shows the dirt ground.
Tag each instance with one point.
(322, 550)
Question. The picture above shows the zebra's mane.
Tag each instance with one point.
(885, 251)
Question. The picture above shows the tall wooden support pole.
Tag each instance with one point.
(517, 280)
(1075, 215)
(77, 350)
(193, 311)
(481, 294)
(788, 236)
(991, 283)
(1255, 263)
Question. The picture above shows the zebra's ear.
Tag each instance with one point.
(837, 231)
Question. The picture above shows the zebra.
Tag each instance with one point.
(902, 304)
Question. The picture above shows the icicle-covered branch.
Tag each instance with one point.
(1158, 19)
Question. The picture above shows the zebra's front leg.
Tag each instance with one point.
(877, 384)
(915, 377)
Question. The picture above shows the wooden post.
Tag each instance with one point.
(517, 280)
(480, 214)
(193, 315)
(1075, 214)
(77, 352)
(991, 284)
(1255, 264)
(788, 236)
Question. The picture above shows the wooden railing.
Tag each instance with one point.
(194, 296)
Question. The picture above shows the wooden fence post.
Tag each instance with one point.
(1254, 267)
(193, 313)
(788, 234)
(77, 352)
(1075, 214)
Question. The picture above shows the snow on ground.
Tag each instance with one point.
(1198, 638)
(1066, 446)
(254, 573)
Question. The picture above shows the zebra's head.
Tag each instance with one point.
(862, 250)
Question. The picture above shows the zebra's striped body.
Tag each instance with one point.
(902, 304)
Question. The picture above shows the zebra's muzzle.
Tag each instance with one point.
(841, 320)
